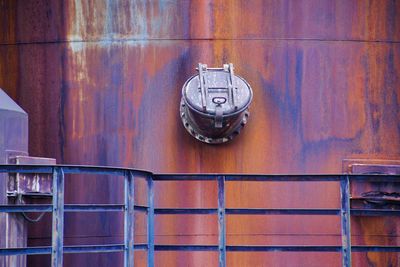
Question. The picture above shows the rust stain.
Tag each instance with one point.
(102, 82)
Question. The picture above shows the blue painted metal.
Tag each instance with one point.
(14, 168)
(276, 248)
(150, 223)
(70, 249)
(25, 251)
(186, 248)
(129, 219)
(249, 211)
(93, 208)
(375, 248)
(186, 211)
(69, 208)
(286, 248)
(283, 211)
(58, 218)
(141, 208)
(276, 177)
(58, 208)
(26, 208)
(221, 221)
(184, 177)
(374, 212)
(121, 247)
(345, 221)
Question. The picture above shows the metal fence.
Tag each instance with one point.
(58, 208)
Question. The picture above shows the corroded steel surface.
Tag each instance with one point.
(101, 82)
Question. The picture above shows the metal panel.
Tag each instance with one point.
(90, 74)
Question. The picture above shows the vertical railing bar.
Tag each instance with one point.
(58, 218)
(221, 221)
(129, 219)
(345, 220)
(150, 222)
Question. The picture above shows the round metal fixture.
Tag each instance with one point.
(214, 104)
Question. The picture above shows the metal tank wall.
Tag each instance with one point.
(101, 83)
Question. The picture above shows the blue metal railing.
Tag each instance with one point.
(58, 208)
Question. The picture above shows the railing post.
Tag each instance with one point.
(345, 220)
(221, 221)
(58, 218)
(129, 219)
(150, 222)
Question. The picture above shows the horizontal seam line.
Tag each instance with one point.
(202, 39)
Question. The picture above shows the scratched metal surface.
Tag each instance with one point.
(101, 82)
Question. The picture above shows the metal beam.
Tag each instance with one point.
(256, 211)
(58, 218)
(345, 221)
(150, 222)
(221, 221)
(129, 219)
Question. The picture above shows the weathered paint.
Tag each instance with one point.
(374, 230)
(101, 82)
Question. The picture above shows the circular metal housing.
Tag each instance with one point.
(214, 104)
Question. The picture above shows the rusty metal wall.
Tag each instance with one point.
(101, 82)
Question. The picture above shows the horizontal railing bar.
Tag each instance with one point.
(185, 211)
(141, 208)
(141, 246)
(120, 247)
(94, 170)
(375, 177)
(238, 177)
(93, 207)
(13, 168)
(94, 248)
(239, 211)
(25, 251)
(375, 248)
(283, 211)
(286, 248)
(185, 248)
(277, 248)
(26, 208)
(277, 177)
(69, 249)
(284, 178)
(67, 208)
(71, 169)
(76, 169)
(249, 211)
(173, 177)
(374, 212)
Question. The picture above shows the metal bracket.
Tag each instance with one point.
(30, 184)
(231, 86)
(218, 116)
(203, 87)
(377, 194)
